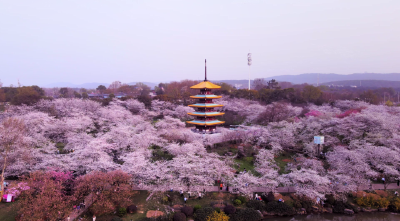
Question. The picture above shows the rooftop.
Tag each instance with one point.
(205, 84)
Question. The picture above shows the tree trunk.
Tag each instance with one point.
(2, 177)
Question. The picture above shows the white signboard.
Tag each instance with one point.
(9, 198)
(319, 139)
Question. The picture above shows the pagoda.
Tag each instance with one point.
(205, 114)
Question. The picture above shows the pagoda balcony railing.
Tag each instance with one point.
(206, 110)
(208, 119)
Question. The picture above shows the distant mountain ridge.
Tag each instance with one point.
(93, 85)
(313, 78)
(365, 83)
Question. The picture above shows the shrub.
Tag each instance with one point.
(338, 207)
(179, 217)
(121, 212)
(382, 203)
(297, 204)
(395, 205)
(306, 204)
(160, 218)
(330, 199)
(187, 210)
(165, 199)
(229, 209)
(203, 213)
(369, 201)
(218, 210)
(242, 199)
(268, 198)
(247, 214)
(197, 207)
(280, 208)
(131, 209)
(256, 204)
(365, 201)
(237, 202)
(216, 216)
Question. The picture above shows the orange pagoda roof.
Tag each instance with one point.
(205, 84)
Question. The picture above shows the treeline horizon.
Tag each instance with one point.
(179, 92)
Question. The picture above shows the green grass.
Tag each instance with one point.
(282, 164)
(223, 148)
(8, 211)
(246, 162)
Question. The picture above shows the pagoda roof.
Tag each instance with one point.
(206, 105)
(205, 123)
(200, 96)
(208, 114)
(205, 84)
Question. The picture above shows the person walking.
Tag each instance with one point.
(94, 218)
(68, 218)
(199, 195)
(220, 186)
(185, 199)
(181, 192)
(398, 182)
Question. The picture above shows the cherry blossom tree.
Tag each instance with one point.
(109, 190)
(11, 138)
(307, 183)
(45, 198)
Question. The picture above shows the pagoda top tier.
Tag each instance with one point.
(204, 85)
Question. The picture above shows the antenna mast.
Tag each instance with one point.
(249, 64)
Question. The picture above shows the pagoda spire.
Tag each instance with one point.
(205, 69)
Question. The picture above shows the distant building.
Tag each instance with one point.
(152, 94)
(95, 96)
(104, 96)
(238, 86)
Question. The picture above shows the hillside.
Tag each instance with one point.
(90, 85)
(366, 83)
(323, 78)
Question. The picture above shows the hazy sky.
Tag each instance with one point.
(43, 42)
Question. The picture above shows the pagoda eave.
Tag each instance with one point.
(205, 123)
(205, 85)
(207, 114)
(206, 106)
(205, 97)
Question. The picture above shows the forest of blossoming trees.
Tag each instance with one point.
(362, 142)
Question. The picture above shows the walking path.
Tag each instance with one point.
(76, 213)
